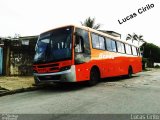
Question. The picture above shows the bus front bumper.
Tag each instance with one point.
(63, 76)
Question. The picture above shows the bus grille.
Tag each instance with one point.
(46, 68)
(50, 65)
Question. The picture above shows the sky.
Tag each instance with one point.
(32, 17)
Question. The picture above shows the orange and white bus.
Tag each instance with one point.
(77, 53)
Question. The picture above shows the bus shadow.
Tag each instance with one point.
(117, 79)
(68, 87)
(63, 87)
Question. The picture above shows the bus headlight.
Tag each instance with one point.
(65, 68)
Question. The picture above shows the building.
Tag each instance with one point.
(17, 55)
(115, 34)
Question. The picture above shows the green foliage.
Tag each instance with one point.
(90, 22)
(151, 51)
(145, 60)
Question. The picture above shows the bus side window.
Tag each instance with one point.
(101, 43)
(120, 47)
(95, 41)
(134, 50)
(128, 49)
(111, 45)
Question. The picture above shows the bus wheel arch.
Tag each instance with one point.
(94, 76)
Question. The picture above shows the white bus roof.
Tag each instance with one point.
(95, 31)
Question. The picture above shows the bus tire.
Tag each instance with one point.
(130, 72)
(94, 76)
(36, 81)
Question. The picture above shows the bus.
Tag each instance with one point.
(76, 53)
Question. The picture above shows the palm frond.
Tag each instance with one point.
(129, 36)
(90, 22)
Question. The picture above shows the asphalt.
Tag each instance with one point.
(112, 96)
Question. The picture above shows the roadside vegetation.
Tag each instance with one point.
(150, 52)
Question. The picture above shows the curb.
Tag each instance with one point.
(7, 92)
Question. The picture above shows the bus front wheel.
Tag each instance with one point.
(94, 77)
(36, 81)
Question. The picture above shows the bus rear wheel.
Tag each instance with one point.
(130, 72)
(94, 77)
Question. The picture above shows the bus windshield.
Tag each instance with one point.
(54, 45)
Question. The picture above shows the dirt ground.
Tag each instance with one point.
(16, 82)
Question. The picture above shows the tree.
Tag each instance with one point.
(151, 51)
(138, 38)
(132, 37)
(90, 22)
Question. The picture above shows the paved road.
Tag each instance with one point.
(140, 94)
